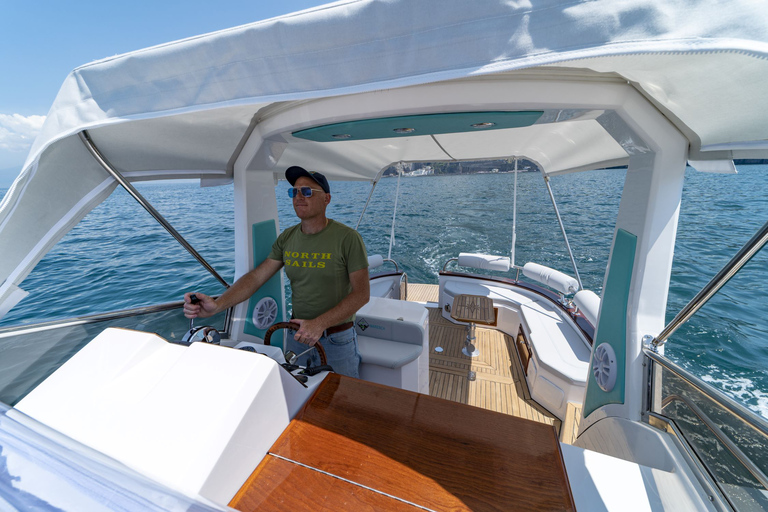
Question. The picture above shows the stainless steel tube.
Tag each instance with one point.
(562, 228)
(145, 204)
(749, 417)
(373, 187)
(726, 273)
(745, 461)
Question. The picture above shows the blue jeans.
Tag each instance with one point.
(340, 350)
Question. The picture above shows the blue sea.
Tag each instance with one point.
(118, 257)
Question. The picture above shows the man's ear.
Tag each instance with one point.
(327, 198)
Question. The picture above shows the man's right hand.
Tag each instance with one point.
(204, 308)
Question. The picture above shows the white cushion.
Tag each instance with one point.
(484, 261)
(375, 260)
(557, 345)
(551, 277)
(589, 304)
(386, 353)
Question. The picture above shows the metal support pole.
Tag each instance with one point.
(514, 218)
(394, 213)
(562, 228)
(86, 139)
(373, 187)
(726, 273)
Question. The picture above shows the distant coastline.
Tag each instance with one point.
(495, 166)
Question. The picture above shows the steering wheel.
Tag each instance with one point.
(295, 327)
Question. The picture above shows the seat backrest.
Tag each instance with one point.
(484, 261)
(553, 278)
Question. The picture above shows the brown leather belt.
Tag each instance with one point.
(339, 328)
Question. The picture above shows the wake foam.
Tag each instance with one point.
(740, 388)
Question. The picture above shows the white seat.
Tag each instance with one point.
(558, 347)
(557, 370)
(385, 353)
(393, 339)
(497, 293)
(381, 287)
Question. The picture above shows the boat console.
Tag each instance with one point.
(196, 418)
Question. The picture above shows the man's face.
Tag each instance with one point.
(309, 207)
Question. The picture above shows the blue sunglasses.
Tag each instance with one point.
(305, 191)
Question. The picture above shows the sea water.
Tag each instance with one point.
(118, 257)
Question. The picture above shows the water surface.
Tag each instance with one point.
(119, 257)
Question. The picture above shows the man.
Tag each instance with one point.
(327, 266)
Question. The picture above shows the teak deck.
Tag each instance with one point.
(363, 446)
(499, 383)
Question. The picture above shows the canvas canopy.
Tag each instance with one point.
(184, 109)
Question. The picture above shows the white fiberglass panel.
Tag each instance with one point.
(346, 159)
(554, 146)
(45, 470)
(196, 418)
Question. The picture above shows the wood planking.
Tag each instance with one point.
(570, 429)
(423, 292)
(500, 382)
(473, 308)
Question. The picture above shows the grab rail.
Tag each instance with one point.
(104, 163)
(729, 445)
(754, 420)
(99, 317)
(730, 269)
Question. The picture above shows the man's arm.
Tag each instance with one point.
(235, 294)
(312, 330)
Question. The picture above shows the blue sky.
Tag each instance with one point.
(42, 41)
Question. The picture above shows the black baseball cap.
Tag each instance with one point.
(295, 172)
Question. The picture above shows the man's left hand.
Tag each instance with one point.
(310, 331)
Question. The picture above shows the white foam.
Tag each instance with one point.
(740, 388)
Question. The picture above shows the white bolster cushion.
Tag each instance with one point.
(386, 353)
(375, 260)
(484, 261)
(589, 304)
(551, 277)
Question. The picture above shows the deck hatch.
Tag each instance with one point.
(425, 124)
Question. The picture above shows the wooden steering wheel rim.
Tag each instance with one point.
(295, 327)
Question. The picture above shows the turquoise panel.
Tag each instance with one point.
(264, 235)
(612, 327)
(411, 126)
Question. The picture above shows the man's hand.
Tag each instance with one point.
(310, 331)
(204, 308)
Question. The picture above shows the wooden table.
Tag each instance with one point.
(473, 309)
(363, 446)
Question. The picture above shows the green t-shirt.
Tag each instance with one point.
(319, 265)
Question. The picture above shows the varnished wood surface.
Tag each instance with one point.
(418, 292)
(500, 383)
(473, 308)
(435, 454)
(285, 486)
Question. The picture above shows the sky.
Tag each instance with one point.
(41, 41)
